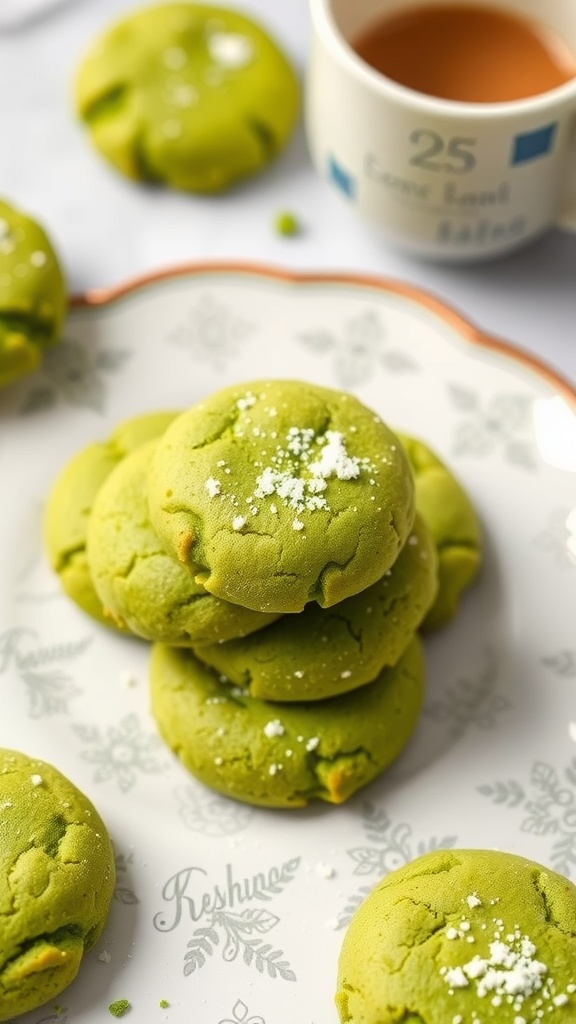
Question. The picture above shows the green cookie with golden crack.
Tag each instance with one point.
(277, 493)
(32, 294)
(71, 499)
(191, 95)
(463, 936)
(283, 755)
(452, 520)
(56, 881)
(326, 651)
(139, 585)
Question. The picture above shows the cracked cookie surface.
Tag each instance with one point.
(190, 95)
(326, 651)
(283, 755)
(465, 936)
(56, 881)
(276, 493)
(140, 586)
(72, 497)
(32, 294)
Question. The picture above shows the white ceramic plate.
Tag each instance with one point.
(233, 914)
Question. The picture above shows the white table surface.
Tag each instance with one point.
(108, 229)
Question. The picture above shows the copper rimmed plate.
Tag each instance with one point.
(233, 914)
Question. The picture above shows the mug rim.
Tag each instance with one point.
(326, 28)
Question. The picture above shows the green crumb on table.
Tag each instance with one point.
(119, 1008)
(164, 1004)
(286, 223)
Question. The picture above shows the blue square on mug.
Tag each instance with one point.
(341, 178)
(530, 145)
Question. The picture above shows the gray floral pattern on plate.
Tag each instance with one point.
(563, 663)
(392, 846)
(509, 655)
(470, 701)
(40, 667)
(123, 892)
(75, 373)
(121, 752)
(499, 423)
(211, 814)
(240, 1015)
(211, 332)
(359, 350)
(548, 806)
(557, 538)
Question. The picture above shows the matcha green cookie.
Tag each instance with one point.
(462, 937)
(191, 95)
(71, 499)
(283, 755)
(139, 585)
(326, 651)
(451, 518)
(32, 294)
(56, 881)
(277, 493)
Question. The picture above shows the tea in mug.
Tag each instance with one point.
(472, 54)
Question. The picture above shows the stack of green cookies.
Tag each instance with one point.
(99, 540)
(282, 548)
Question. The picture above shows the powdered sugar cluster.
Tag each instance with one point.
(297, 471)
(330, 459)
(509, 975)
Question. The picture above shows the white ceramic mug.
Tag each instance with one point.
(445, 179)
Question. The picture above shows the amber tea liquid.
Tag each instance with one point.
(471, 54)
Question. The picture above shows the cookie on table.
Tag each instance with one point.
(465, 936)
(452, 520)
(141, 587)
(277, 493)
(326, 651)
(71, 499)
(32, 294)
(193, 96)
(283, 755)
(56, 881)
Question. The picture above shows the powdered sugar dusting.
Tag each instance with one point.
(334, 459)
(274, 728)
(300, 468)
(325, 870)
(509, 975)
(230, 49)
(293, 469)
(38, 258)
(246, 402)
(213, 487)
